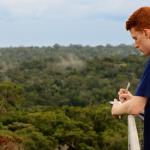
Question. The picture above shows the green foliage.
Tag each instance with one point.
(73, 75)
(53, 97)
(35, 140)
(90, 128)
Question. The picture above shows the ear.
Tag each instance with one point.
(147, 33)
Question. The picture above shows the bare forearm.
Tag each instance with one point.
(133, 106)
(119, 109)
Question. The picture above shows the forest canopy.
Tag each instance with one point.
(57, 96)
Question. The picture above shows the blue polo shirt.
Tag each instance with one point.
(143, 89)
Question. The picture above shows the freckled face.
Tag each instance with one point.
(142, 40)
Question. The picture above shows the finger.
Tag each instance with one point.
(122, 100)
(122, 91)
(123, 97)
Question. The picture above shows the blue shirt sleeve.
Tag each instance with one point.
(143, 88)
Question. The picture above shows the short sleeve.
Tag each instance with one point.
(143, 88)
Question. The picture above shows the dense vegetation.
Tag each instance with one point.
(52, 97)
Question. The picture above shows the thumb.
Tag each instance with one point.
(123, 96)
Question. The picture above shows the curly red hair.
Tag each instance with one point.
(139, 20)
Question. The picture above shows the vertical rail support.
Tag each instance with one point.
(133, 140)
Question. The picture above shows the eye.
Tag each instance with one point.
(135, 38)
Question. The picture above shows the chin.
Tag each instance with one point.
(146, 54)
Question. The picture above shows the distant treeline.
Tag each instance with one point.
(73, 75)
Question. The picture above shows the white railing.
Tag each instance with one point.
(133, 140)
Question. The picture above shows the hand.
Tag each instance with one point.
(124, 95)
(115, 104)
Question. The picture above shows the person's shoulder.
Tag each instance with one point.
(147, 68)
(148, 63)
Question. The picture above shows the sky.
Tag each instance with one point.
(65, 22)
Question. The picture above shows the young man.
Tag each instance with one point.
(138, 25)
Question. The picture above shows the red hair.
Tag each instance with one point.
(139, 20)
